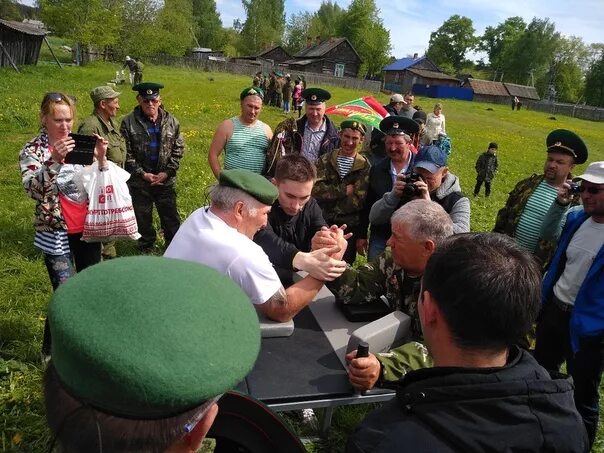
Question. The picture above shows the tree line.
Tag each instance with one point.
(561, 68)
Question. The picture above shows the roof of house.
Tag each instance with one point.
(319, 50)
(522, 91)
(403, 63)
(302, 62)
(432, 74)
(270, 49)
(487, 87)
(23, 28)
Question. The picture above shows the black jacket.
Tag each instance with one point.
(284, 236)
(517, 408)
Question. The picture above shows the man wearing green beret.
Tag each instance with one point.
(341, 187)
(243, 138)
(154, 147)
(528, 202)
(220, 236)
(312, 136)
(131, 372)
(103, 122)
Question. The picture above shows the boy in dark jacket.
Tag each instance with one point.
(486, 168)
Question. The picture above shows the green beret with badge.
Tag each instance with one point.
(354, 125)
(252, 183)
(398, 125)
(148, 90)
(251, 91)
(567, 142)
(151, 337)
(103, 92)
(314, 96)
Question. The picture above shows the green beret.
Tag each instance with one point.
(567, 142)
(314, 96)
(252, 183)
(148, 90)
(150, 337)
(252, 91)
(398, 125)
(103, 92)
(355, 125)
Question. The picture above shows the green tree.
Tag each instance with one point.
(594, 83)
(175, 27)
(451, 41)
(364, 29)
(499, 41)
(566, 69)
(139, 32)
(296, 31)
(9, 10)
(209, 31)
(86, 22)
(327, 21)
(264, 24)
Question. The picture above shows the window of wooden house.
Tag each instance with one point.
(339, 70)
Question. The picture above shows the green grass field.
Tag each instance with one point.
(200, 100)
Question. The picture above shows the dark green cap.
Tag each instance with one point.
(251, 91)
(252, 183)
(355, 125)
(150, 337)
(398, 125)
(314, 96)
(567, 142)
(103, 92)
(148, 90)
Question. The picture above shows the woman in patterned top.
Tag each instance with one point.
(243, 138)
(60, 202)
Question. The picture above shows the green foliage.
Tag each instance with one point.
(499, 41)
(327, 21)
(451, 41)
(594, 83)
(86, 22)
(364, 29)
(174, 27)
(296, 31)
(264, 25)
(201, 104)
(138, 35)
(209, 31)
(9, 10)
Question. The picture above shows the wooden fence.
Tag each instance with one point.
(250, 69)
(585, 112)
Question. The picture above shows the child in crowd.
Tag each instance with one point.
(486, 168)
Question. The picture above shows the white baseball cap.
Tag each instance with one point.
(594, 173)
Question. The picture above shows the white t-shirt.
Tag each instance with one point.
(205, 238)
(580, 254)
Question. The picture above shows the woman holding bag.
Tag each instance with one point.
(60, 201)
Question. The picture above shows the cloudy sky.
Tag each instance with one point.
(411, 21)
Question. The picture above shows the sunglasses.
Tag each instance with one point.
(151, 101)
(58, 97)
(591, 190)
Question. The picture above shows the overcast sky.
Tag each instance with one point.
(411, 21)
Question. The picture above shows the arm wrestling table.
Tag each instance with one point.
(308, 368)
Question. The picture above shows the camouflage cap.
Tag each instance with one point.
(103, 92)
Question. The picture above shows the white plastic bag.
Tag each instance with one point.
(110, 213)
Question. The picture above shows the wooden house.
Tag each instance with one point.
(275, 54)
(333, 56)
(488, 91)
(522, 92)
(19, 43)
(401, 75)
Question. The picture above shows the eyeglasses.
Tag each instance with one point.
(591, 190)
(58, 97)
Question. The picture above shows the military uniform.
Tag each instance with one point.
(330, 192)
(116, 149)
(139, 161)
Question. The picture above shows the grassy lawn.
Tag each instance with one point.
(200, 100)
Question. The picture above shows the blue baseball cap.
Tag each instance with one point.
(432, 158)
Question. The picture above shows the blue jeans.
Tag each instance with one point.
(286, 106)
(377, 245)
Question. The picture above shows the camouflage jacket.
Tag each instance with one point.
(379, 277)
(509, 216)
(288, 137)
(134, 130)
(116, 150)
(330, 190)
(397, 362)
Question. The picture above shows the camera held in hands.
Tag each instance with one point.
(411, 190)
(574, 188)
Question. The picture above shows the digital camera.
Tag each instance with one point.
(411, 190)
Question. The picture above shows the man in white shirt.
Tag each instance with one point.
(220, 236)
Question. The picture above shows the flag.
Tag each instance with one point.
(366, 110)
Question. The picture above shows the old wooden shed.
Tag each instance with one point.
(19, 43)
